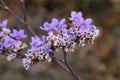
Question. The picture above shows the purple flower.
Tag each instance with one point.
(69, 31)
(86, 24)
(36, 42)
(58, 25)
(9, 42)
(87, 36)
(55, 24)
(92, 27)
(18, 34)
(47, 27)
(48, 50)
(43, 39)
(1, 47)
(1, 36)
(4, 23)
(26, 63)
(77, 18)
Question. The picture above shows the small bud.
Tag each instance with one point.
(11, 56)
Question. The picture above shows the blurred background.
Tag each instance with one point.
(100, 61)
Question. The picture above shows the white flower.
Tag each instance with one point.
(11, 56)
(24, 45)
(6, 31)
(26, 63)
(18, 45)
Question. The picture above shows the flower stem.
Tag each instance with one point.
(61, 64)
(5, 7)
(68, 66)
(24, 10)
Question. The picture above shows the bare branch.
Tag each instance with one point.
(25, 17)
(11, 12)
(24, 11)
(1, 6)
(68, 66)
(2, 2)
(62, 65)
(5, 7)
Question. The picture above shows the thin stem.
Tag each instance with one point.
(57, 61)
(25, 17)
(24, 11)
(68, 66)
(18, 18)
(11, 12)
(2, 2)
(62, 65)
(1, 6)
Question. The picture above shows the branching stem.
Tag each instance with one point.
(5, 7)
(69, 67)
(63, 64)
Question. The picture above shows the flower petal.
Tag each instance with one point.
(4, 23)
(88, 21)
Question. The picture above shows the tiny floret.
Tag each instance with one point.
(47, 27)
(18, 35)
(9, 42)
(4, 23)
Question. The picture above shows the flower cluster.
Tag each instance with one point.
(82, 29)
(81, 32)
(38, 51)
(60, 35)
(10, 42)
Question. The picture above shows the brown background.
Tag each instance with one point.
(100, 61)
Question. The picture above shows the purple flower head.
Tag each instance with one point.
(86, 24)
(4, 23)
(43, 39)
(69, 31)
(48, 50)
(47, 27)
(9, 42)
(87, 36)
(1, 36)
(55, 24)
(77, 18)
(36, 42)
(58, 25)
(63, 43)
(26, 63)
(18, 35)
(1, 47)
(92, 27)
